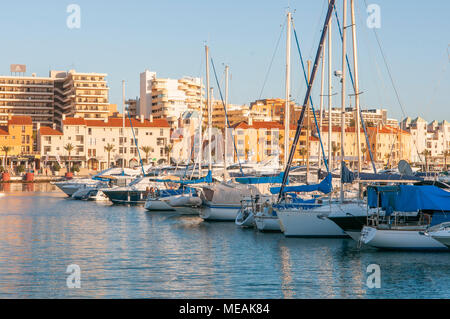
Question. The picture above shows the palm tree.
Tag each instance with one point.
(363, 153)
(147, 150)
(69, 148)
(6, 150)
(446, 154)
(426, 153)
(109, 148)
(302, 152)
(334, 150)
(168, 148)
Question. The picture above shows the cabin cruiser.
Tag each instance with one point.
(135, 193)
(410, 211)
(71, 186)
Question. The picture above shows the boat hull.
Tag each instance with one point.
(158, 205)
(126, 197)
(267, 223)
(399, 239)
(351, 225)
(221, 213)
(246, 220)
(309, 223)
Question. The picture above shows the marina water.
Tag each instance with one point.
(127, 252)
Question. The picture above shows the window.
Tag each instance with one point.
(161, 132)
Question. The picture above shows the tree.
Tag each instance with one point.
(147, 150)
(109, 148)
(363, 153)
(302, 152)
(168, 149)
(446, 154)
(69, 148)
(334, 150)
(426, 153)
(6, 150)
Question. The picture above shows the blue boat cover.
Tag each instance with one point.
(261, 180)
(409, 198)
(324, 187)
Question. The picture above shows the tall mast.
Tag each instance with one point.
(288, 88)
(200, 151)
(208, 99)
(330, 97)
(319, 153)
(344, 52)
(210, 128)
(308, 125)
(355, 66)
(123, 121)
(226, 122)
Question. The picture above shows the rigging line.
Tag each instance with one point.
(226, 116)
(354, 90)
(310, 98)
(305, 101)
(271, 61)
(392, 79)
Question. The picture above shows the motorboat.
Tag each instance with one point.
(441, 233)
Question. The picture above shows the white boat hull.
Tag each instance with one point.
(221, 213)
(399, 239)
(267, 223)
(308, 223)
(158, 205)
(245, 220)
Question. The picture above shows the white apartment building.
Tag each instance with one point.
(372, 117)
(168, 98)
(90, 136)
(433, 137)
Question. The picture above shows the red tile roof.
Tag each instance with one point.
(45, 130)
(116, 122)
(4, 131)
(20, 120)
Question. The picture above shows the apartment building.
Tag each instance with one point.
(27, 96)
(132, 106)
(168, 98)
(428, 139)
(89, 137)
(84, 94)
(371, 117)
(17, 134)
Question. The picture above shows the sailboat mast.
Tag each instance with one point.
(355, 66)
(123, 120)
(330, 97)
(308, 125)
(226, 122)
(288, 88)
(200, 150)
(344, 52)
(209, 107)
(319, 154)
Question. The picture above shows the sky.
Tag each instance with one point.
(123, 38)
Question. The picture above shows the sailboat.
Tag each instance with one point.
(409, 211)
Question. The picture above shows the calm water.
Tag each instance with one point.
(126, 252)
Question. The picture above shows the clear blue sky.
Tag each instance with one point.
(123, 38)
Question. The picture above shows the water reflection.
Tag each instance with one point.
(130, 253)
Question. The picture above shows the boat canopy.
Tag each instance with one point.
(324, 187)
(408, 198)
(348, 176)
(206, 179)
(261, 180)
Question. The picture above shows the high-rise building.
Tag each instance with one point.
(168, 98)
(85, 94)
(27, 96)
